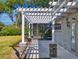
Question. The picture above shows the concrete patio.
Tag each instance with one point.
(40, 49)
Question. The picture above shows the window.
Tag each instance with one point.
(57, 26)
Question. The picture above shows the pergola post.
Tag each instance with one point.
(29, 31)
(53, 30)
(23, 27)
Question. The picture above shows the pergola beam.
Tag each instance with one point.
(35, 9)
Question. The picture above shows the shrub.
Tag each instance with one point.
(10, 30)
(1, 25)
(27, 31)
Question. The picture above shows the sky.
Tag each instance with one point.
(5, 19)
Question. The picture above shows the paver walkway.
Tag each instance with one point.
(40, 49)
(33, 50)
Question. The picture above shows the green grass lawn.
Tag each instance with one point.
(6, 42)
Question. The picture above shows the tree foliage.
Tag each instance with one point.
(41, 3)
(13, 3)
(4, 8)
(10, 5)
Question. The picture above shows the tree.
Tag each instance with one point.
(40, 3)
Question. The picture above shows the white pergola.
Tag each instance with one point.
(35, 15)
(44, 15)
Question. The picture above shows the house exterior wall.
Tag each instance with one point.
(64, 36)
